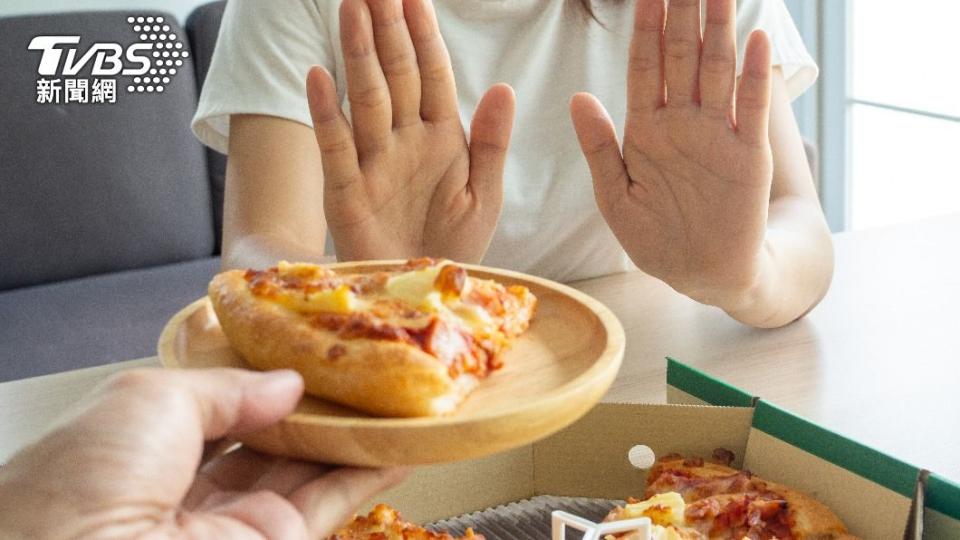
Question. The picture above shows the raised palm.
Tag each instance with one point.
(403, 181)
(688, 196)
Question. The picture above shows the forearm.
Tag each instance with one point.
(796, 266)
(273, 204)
(796, 257)
(263, 251)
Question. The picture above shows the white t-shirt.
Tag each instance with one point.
(545, 49)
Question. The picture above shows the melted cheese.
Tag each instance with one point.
(416, 288)
(475, 317)
(339, 300)
(663, 533)
(305, 270)
(662, 509)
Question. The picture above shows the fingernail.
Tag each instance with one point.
(280, 380)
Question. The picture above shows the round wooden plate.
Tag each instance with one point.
(552, 376)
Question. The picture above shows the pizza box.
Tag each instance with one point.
(877, 496)
(941, 509)
(936, 500)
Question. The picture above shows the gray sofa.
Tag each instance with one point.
(109, 213)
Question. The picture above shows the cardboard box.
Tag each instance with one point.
(877, 496)
(935, 510)
(941, 514)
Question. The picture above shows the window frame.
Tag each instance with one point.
(834, 137)
(823, 114)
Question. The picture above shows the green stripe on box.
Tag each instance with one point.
(858, 458)
(703, 386)
(943, 496)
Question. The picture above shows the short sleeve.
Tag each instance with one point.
(260, 64)
(788, 51)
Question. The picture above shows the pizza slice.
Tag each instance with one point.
(691, 498)
(413, 341)
(385, 523)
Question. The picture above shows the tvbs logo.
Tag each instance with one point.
(150, 63)
(107, 58)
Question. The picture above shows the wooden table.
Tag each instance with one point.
(878, 359)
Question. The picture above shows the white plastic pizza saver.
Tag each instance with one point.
(560, 520)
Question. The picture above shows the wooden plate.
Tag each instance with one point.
(552, 376)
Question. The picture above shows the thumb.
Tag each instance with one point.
(489, 140)
(224, 401)
(598, 141)
(233, 401)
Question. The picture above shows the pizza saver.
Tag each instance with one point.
(560, 520)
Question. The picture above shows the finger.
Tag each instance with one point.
(490, 133)
(753, 96)
(681, 51)
(215, 499)
(247, 470)
(286, 476)
(233, 401)
(397, 59)
(341, 169)
(718, 61)
(438, 99)
(215, 449)
(235, 471)
(217, 402)
(367, 89)
(263, 511)
(645, 89)
(598, 141)
(330, 501)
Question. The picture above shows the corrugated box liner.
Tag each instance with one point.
(528, 519)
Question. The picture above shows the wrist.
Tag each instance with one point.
(747, 298)
(751, 304)
(264, 251)
(768, 299)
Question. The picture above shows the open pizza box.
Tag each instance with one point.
(941, 514)
(877, 496)
(934, 511)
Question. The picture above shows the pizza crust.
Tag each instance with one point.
(812, 520)
(383, 378)
(385, 523)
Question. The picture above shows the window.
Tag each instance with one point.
(889, 110)
(904, 111)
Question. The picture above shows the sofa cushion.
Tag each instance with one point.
(203, 27)
(94, 320)
(95, 188)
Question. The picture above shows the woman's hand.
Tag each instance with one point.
(403, 181)
(688, 198)
(126, 465)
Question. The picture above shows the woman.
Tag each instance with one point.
(709, 191)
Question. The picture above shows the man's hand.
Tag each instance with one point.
(126, 465)
(688, 198)
(403, 181)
